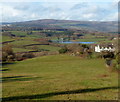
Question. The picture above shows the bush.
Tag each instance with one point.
(7, 53)
(89, 54)
(117, 62)
(107, 54)
(8, 49)
(118, 58)
(118, 67)
(97, 55)
(63, 50)
(4, 56)
(11, 57)
(19, 57)
(28, 55)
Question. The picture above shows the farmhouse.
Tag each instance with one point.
(100, 48)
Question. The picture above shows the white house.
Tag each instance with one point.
(99, 48)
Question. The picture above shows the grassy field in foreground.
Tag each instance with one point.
(59, 77)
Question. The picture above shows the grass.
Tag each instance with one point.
(88, 38)
(50, 48)
(21, 50)
(24, 33)
(20, 42)
(59, 77)
(91, 40)
(6, 38)
(39, 47)
(46, 47)
(19, 33)
(23, 42)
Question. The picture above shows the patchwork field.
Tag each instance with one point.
(59, 77)
(5, 38)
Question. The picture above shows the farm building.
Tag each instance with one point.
(100, 48)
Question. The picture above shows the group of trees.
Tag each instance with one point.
(112, 60)
(118, 61)
(8, 55)
(77, 50)
(108, 56)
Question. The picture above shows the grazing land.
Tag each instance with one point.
(59, 77)
(6, 38)
(38, 64)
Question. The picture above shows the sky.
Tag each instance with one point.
(80, 10)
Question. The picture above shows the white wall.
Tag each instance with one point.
(98, 49)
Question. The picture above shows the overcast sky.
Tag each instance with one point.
(94, 10)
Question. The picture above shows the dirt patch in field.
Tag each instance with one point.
(27, 81)
(103, 76)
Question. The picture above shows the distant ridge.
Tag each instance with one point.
(102, 26)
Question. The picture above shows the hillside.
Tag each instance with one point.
(60, 77)
(110, 26)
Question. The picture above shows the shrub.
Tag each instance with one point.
(89, 54)
(84, 46)
(107, 54)
(118, 67)
(8, 49)
(11, 57)
(118, 58)
(63, 50)
(28, 55)
(19, 57)
(7, 53)
(97, 55)
(108, 61)
(117, 62)
(4, 56)
(81, 53)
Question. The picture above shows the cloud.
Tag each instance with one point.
(95, 11)
(80, 5)
(21, 11)
(88, 16)
(60, 1)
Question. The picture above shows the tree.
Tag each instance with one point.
(4, 56)
(7, 53)
(108, 56)
(63, 50)
(28, 55)
(117, 64)
(29, 32)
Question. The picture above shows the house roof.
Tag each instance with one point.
(104, 45)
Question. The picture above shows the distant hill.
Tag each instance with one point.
(108, 26)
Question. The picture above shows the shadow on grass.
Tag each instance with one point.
(39, 96)
(7, 63)
(4, 64)
(4, 69)
(18, 78)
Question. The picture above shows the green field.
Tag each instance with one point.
(21, 50)
(91, 40)
(59, 77)
(45, 47)
(18, 44)
(19, 33)
(39, 47)
(23, 42)
(6, 38)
